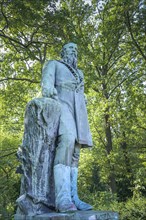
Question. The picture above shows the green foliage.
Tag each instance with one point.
(112, 55)
(9, 181)
(133, 209)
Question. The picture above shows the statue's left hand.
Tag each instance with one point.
(54, 94)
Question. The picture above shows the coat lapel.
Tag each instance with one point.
(74, 72)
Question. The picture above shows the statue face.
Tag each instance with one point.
(70, 49)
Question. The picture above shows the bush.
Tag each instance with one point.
(133, 209)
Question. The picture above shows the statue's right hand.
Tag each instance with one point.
(50, 93)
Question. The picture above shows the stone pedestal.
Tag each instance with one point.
(36, 155)
(79, 215)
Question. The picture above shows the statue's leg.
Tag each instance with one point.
(74, 175)
(65, 149)
(62, 169)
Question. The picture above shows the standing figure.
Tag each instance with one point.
(63, 81)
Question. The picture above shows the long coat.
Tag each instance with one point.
(70, 91)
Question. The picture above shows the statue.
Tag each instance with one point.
(55, 129)
(63, 82)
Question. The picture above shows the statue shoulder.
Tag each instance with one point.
(50, 63)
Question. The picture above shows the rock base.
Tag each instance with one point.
(79, 215)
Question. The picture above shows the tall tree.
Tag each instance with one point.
(111, 53)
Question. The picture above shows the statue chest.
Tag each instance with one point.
(63, 73)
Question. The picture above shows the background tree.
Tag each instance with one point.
(112, 55)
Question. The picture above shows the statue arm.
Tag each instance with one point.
(48, 80)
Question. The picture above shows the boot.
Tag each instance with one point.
(75, 199)
(63, 189)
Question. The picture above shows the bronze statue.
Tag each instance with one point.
(64, 82)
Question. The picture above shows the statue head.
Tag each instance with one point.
(69, 54)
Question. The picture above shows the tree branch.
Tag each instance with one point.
(14, 152)
(11, 39)
(115, 60)
(132, 36)
(7, 24)
(120, 83)
(19, 79)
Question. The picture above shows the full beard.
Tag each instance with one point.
(71, 60)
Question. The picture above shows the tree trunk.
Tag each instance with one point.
(109, 145)
(37, 153)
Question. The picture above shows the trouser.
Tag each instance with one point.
(67, 156)
(65, 173)
(67, 151)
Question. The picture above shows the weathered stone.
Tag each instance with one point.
(36, 155)
(79, 215)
